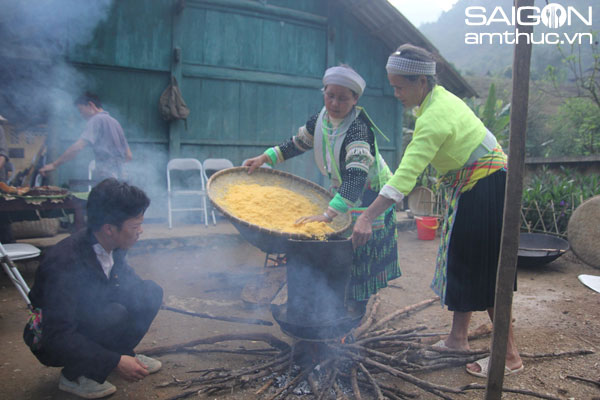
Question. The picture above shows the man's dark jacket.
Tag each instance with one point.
(68, 284)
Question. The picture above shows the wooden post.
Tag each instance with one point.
(507, 263)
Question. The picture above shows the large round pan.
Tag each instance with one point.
(537, 249)
(330, 329)
(268, 240)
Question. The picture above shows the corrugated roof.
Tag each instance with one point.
(391, 27)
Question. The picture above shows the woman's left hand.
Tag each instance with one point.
(362, 231)
(312, 218)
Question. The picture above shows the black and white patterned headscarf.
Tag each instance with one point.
(398, 65)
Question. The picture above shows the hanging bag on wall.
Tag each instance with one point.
(171, 104)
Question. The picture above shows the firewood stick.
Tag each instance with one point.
(381, 384)
(330, 381)
(258, 375)
(579, 378)
(354, 381)
(277, 364)
(445, 363)
(405, 310)
(394, 331)
(440, 394)
(205, 372)
(326, 387)
(184, 395)
(314, 385)
(376, 387)
(369, 316)
(391, 395)
(264, 387)
(394, 337)
(261, 352)
(474, 386)
(218, 383)
(371, 308)
(377, 333)
(384, 387)
(339, 393)
(280, 360)
(300, 376)
(371, 351)
(260, 337)
(559, 354)
(407, 377)
(218, 317)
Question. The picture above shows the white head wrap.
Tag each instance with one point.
(345, 77)
(398, 65)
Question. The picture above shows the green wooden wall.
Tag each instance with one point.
(250, 72)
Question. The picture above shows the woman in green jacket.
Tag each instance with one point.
(472, 166)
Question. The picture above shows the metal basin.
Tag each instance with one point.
(537, 249)
(330, 329)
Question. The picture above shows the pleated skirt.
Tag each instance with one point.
(475, 246)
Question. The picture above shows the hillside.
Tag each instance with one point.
(448, 35)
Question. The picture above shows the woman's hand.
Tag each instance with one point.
(255, 162)
(363, 227)
(313, 218)
(362, 231)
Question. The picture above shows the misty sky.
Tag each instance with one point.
(422, 11)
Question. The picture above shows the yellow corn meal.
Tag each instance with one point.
(274, 208)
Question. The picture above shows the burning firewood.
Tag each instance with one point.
(338, 368)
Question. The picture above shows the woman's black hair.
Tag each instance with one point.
(113, 202)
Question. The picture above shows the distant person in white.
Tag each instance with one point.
(104, 134)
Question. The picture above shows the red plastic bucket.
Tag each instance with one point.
(426, 227)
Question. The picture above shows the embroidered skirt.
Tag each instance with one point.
(475, 246)
(376, 262)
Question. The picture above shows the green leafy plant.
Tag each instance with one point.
(549, 199)
(575, 128)
(494, 114)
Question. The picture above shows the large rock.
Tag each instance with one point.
(584, 231)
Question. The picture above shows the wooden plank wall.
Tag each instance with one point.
(249, 71)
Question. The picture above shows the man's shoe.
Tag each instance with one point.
(86, 388)
(153, 364)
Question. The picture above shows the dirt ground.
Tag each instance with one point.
(552, 311)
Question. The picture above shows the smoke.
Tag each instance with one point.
(37, 83)
(147, 171)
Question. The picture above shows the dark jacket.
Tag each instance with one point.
(68, 284)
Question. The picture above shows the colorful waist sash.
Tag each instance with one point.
(454, 183)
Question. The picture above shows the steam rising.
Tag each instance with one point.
(38, 84)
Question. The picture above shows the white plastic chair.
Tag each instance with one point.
(91, 169)
(214, 165)
(186, 164)
(13, 252)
